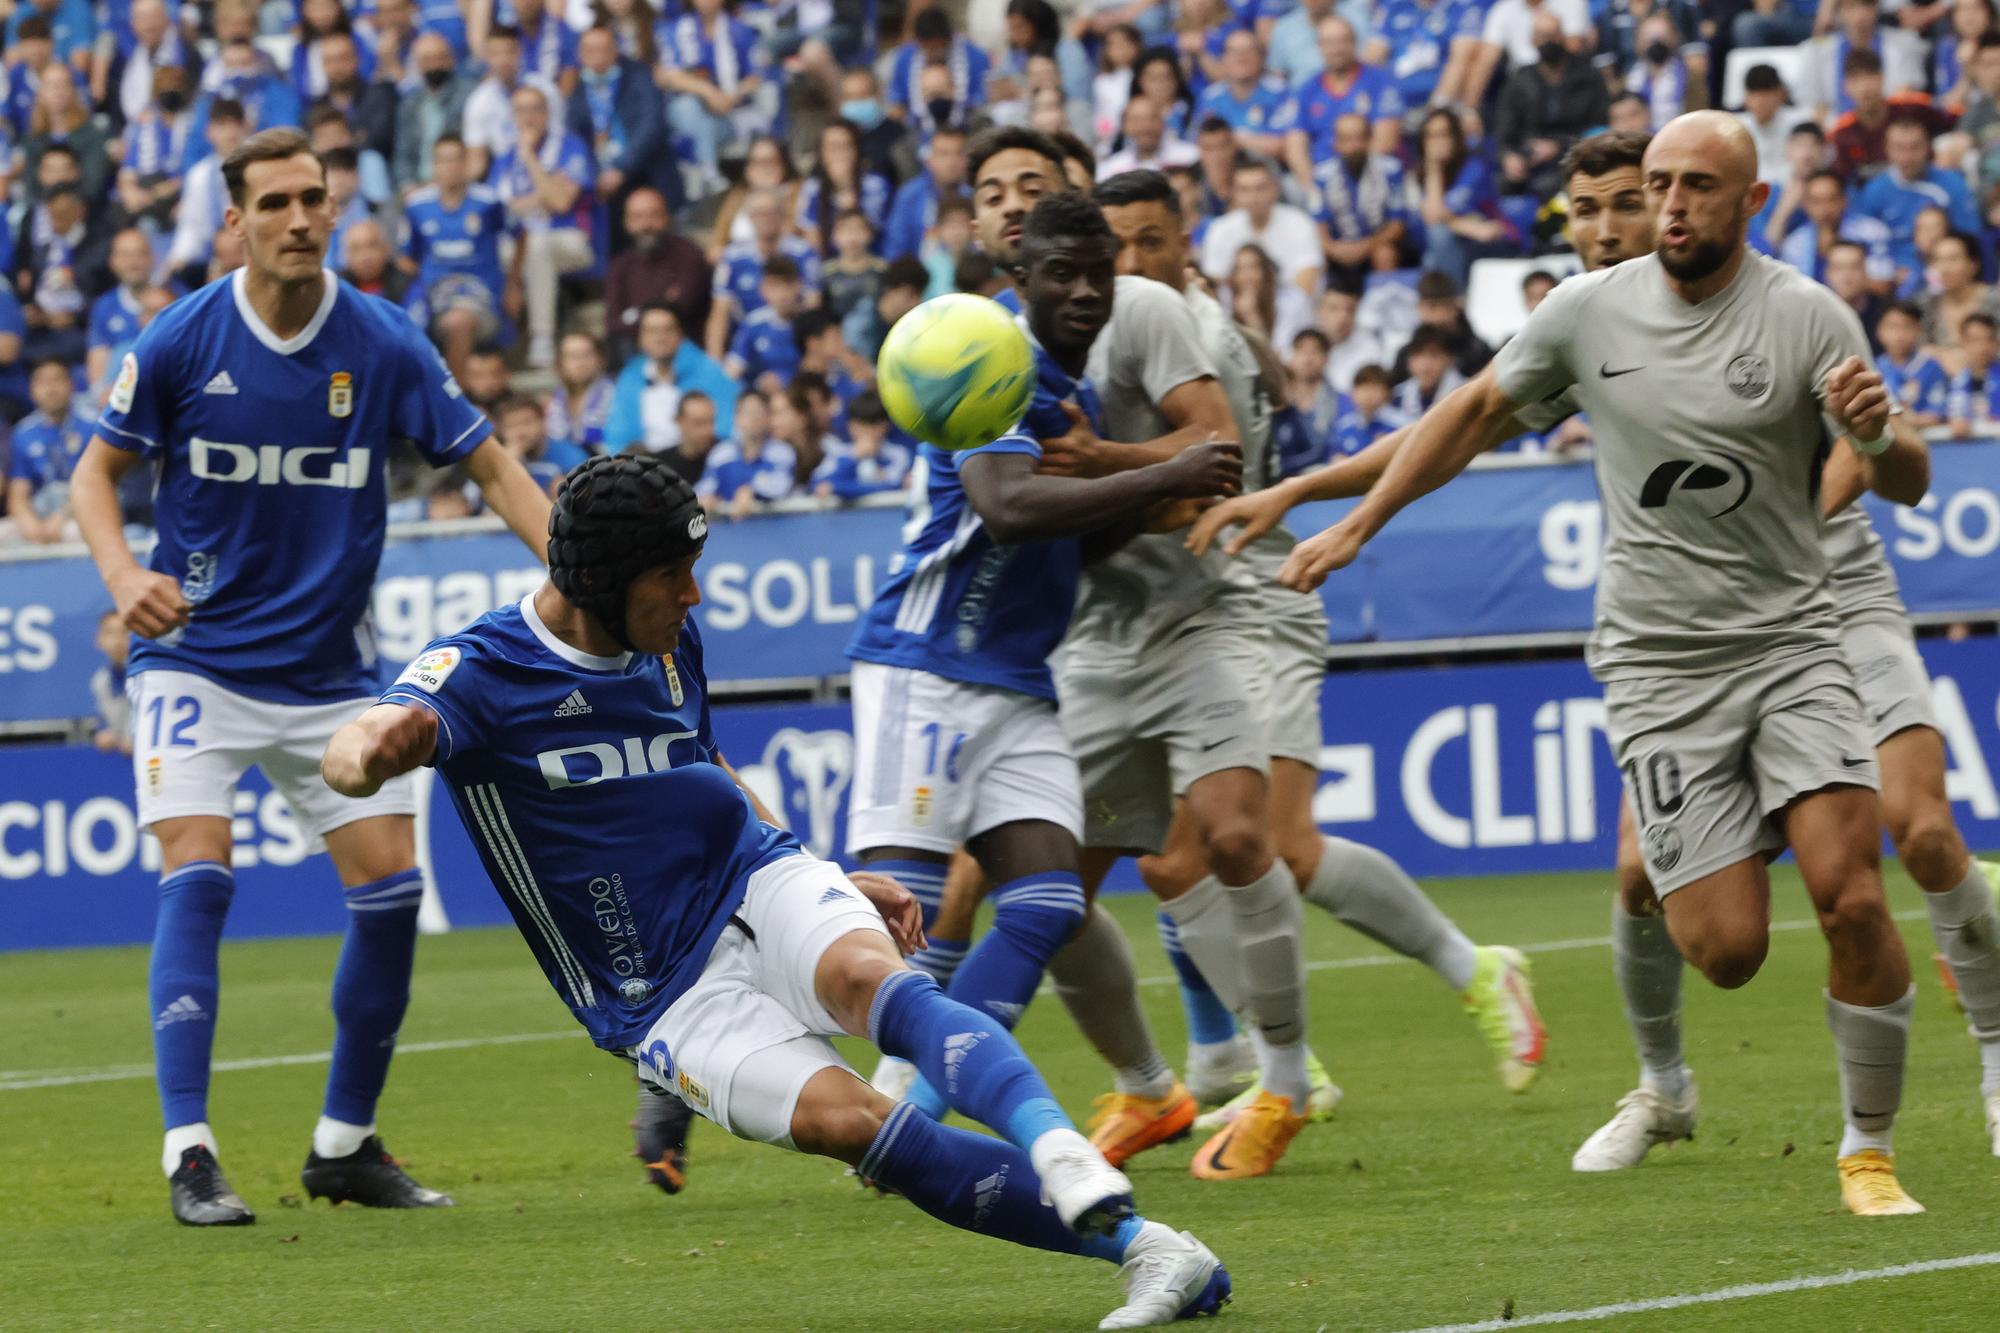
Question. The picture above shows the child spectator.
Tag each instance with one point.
(47, 443)
(763, 352)
(851, 279)
(752, 469)
(580, 404)
(1974, 401)
(1910, 374)
(1431, 373)
(113, 734)
(953, 240)
(523, 429)
(871, 463)
(1369, 418)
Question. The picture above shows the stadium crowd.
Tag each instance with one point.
(687, 230)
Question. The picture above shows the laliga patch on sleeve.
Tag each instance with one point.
(430, 671)
(127, 385)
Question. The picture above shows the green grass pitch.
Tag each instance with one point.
(1435, 1197)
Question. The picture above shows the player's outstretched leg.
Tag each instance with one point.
(1096, 981)
(947, 936)
(660, 1129)
(1368, 892)
(183, 981)
(980, 1184)
(1957, 893)
(1662, 1109)
(371, 992)
(1835, 833)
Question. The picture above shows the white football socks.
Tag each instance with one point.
(179, 1139)
(1648, 967)
(1094, 977)
(1873, 1045)
(1368, 892)
(1967, 931)
(337, 1138)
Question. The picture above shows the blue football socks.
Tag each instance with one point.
(182, 982)
(371, 991)
(978, 1184)
(1032, 918)
(965, 1055)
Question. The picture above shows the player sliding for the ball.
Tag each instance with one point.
(699, 941)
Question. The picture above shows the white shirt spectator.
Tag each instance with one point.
(1770, 140)
(1510, 25)
(1902, 66)
(1360, 348)
(203, 199)
(489, 114)
(1173, 153)
(1289, 237)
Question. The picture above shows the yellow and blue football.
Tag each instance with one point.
(956, 372)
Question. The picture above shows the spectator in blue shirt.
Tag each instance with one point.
(71, 28)
(545, 181)
(645, 403)
(764, 353)
(1973, 402)
(1245, 98)
(1368, 417)
(451, 244)
(47, 443)
(933, 43)
(523, 432)
(1361, 208)
(1302, 430)
(114, 316)
(872, 462)
(548, 46)
(748, 467)
(247, 78)
(710, 70)
(1909, 185)
(580, 404)
(1912, 375)
(840, 180)
(914, 211)
(1830, 222)
(13, 372)
(740, 275)
(1427, 46)
(1346, 85)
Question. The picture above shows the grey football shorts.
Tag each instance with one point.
(1889, 675)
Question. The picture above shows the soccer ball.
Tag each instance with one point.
(956, 372)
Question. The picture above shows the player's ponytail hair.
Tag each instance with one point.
(613, 519)
(278, 144)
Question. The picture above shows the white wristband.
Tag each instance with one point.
(1875, 446)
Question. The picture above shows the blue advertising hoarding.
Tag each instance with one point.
(1500, 552)
(1452, 770)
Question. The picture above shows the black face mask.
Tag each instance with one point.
(940, 109)
(1658, 53)
(171, 100)
(437, 78)
(1552, 53)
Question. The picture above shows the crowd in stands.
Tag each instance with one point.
(687, 228)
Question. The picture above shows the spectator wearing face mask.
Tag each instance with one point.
(367, 105)
(160, 146)
(885, 141)
(435, 107)
(934, 44)
(126, 59)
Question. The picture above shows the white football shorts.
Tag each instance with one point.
(192, 739)
(742, 1043)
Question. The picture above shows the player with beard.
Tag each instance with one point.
(1711, 375)
(1357, 884)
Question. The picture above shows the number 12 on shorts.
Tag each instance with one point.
(186, 713)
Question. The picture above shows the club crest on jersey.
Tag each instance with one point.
(674, 681)
(430, 671)
(340, 395)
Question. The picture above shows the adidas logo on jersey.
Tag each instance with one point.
(183, 1010)
(220, 384)
(574, 706)
(832, 895)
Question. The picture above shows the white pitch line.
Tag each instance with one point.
(1747, 1291)
(20, 1080)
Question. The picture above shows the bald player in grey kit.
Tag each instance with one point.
(1715, 380)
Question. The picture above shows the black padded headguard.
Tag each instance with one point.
(615, 518)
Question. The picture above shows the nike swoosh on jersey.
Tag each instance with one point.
(1605, 370)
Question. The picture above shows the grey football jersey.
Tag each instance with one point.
(1710, 438)
(1152, 587)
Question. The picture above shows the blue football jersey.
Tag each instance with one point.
(590, 788)
(457, 250)
(956, 603)
(114, 318)
(273, 496)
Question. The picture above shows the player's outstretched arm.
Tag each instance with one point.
(1440, 445)
(387, 741)
(1197, 409)
(149, 604)
(1342, 479)
(511, 493)
(1019, 504)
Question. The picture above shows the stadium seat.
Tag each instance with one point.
(1493, 296)
(1789, 61)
